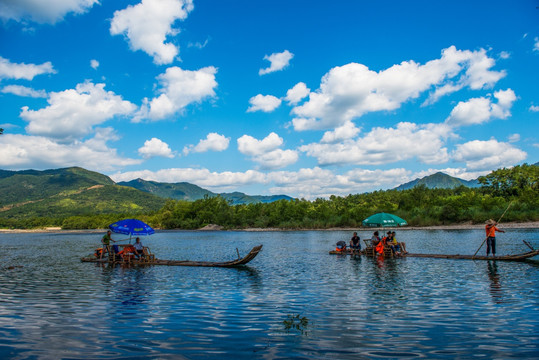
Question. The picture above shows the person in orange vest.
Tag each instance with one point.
(491, 229)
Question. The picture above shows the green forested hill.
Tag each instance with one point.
(190, 192)
(68, 192)
(30, 185)
(439, 180)
(177, 191)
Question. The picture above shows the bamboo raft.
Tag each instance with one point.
(151, 260)
(389, 253)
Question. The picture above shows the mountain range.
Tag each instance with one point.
(439, 180)
(190, 192)
(77, 191)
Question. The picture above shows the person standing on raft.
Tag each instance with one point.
(491, 229)
(106, 243)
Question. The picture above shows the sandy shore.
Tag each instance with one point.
(467, 226)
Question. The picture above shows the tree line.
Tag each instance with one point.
(419, 206)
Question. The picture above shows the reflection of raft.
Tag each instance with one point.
(240, 261)
(514, 257)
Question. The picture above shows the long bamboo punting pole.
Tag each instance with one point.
(497, 222)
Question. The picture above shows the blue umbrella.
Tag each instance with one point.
(131, 227)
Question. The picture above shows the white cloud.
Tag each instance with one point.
(179, 88)
(350, 91)
(304, 183)
(536, 44)
(94, 64)
(505, 55)
(42, 11)
(199, 45)
(383, 146)
(480, 110)
(72, 113)
(297, 93)
(155, 147)
(265, 103)
(266, 152)
(534, 108)
(37, 152)
(213, 142)
(248, 145)
(9, 70)
(513, 138)
(487, 155)
(20, 90)
(278, 61)
(148, 24)
(317, 182)
(344, 132)
(276, 159)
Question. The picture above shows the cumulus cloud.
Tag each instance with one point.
(94, 64)
(536, 44)
(179, 88)
(297, 93)
(9, 70)
(155, 147)
(213, 142)
(42, 11)
(316, 182)
(480, 110)
(386, 145)
(350, 91)
(148, 24)
(534, 108)
(344, 132)
(308, 183)
(266, 152)
(248, 145)
(487, 155)
(278, 61)
(72, 113)
(20, 90)
(38, 152)
(265, 103)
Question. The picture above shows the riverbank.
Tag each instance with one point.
(466, 226)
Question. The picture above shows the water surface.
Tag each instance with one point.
(53, 306)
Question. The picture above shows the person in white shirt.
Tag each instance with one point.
(139, 249)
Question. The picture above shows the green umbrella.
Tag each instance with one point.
(384, 219)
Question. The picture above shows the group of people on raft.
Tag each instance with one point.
(399, 248)
(136, 249)
(377, 243)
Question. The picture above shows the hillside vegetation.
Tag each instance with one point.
(95, 203)
(47, 198)
(420, 206)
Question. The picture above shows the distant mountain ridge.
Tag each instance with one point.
(76, 191)
(439, 180)
(67, 192)
(191, 192)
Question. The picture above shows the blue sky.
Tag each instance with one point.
(304, 98)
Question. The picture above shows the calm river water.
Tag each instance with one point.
(52, 306)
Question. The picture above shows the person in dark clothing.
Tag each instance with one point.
(355, 245)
